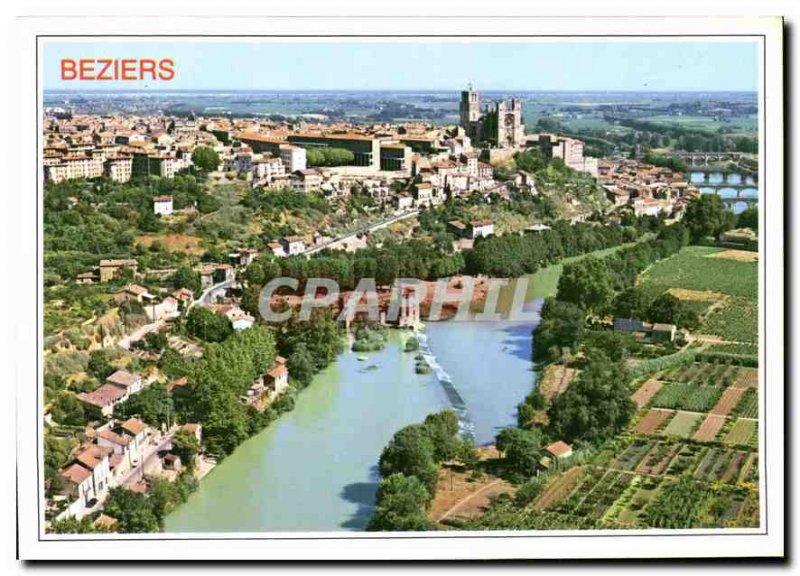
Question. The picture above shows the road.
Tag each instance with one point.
(149, 454)
(205, 298)
(371, 228)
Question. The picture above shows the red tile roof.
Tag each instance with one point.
(104, 396)
(559, 448)
(124, 378)
(133, 425)
(75, 473)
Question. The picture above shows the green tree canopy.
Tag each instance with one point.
(205, 159)
(587, 283)
(596, 406)
(706, 216)
(185, 277)
(400, 504)
(204, 324)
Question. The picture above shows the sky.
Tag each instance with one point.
(547, 66)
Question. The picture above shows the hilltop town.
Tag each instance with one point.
(159, 232)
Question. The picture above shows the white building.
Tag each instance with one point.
(293, 157)
(162, 205)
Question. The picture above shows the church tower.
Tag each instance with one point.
(470, 110)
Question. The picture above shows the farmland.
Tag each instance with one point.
(742, 432)
(688, 458)
(709, 428)
(683, 424)
(646, 392)
(748, 405)
(693, 269)
(687, 397)
(652, 421)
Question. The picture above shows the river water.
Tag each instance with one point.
(315, 468)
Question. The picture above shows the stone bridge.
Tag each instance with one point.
(704, 159)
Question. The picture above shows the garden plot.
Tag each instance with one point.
(703, 373)
(605, 492)
(657, 459)
(742, 432)
(747, 378)
(687, 458)
(715, 464)
(559, 488)
(632, 455)
(748, 405)
(646, 392)
(682, 425)
(749, 470)
(709, 429)
(728, 401)
(653, 420)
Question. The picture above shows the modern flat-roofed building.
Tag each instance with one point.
(395, 157)
(367, 151)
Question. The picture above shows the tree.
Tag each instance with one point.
(56, 454)
(588, 283)
(71, 525)
(748, 219)
(562, 325)
(631, 303)
(205, 159)
(596, 406)
(100, 363)
(411, 453)
(153, 405)
(521, 450)
(185, 277)
(204, 324)
(707, 216)
(400, 504)
(668, 309)
(132, 510)
(442, 429)
(67, 409)
(301, 365)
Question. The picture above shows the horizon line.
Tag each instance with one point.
(673, 90)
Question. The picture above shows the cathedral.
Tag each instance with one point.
(499, 124)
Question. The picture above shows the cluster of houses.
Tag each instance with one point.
(113, 453)
(118, 147)
(117, 388)
(648, 190)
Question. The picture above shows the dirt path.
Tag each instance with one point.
(467, 498)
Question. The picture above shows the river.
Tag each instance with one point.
(315, 468)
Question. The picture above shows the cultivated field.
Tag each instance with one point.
(646, 392)
(709, 428)
(652, 421)
(742, 432)
(682, 425)
(728, 401)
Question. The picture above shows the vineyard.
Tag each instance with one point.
(736, 320)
